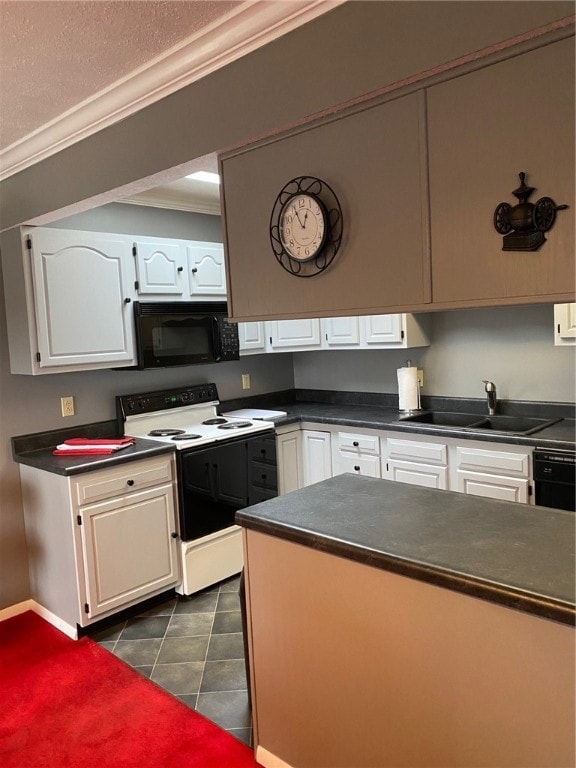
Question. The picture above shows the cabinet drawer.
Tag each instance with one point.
(417, 473)
(493, 486)
(348, 441)
(263, 450)
(263, 475)
(358, 465)
(412, 450)
(132, 477)
(500, 462)
(256, 495)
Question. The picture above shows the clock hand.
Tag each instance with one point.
(299, 222)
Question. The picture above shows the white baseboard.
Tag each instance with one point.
(32, 605)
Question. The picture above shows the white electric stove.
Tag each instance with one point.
(211, 473)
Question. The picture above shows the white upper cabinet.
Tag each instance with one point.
(252, 338)
(294, 335)
(206, 270)
(564, 324)
(393, 331)
(341, 332)
(160, 267)
(81, 299)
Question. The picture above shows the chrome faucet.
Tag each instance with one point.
(490, 389)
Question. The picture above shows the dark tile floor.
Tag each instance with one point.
(194, 649)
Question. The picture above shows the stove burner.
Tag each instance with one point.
(165, 432)
(215, 421)
(187, 436)
(235, 425)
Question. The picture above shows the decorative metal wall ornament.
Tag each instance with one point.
(306, 226)
(524, 224)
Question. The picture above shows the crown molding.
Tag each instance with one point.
(248, 27)
(174, 203)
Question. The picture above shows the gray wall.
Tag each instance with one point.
(129, 219)
(512, 346)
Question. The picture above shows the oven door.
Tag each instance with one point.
(212, 485)
(170, 335)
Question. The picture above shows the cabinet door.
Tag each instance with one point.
(317, 459)
(493, 486)
(289, 454)
(81, 295)
(381, 330)
(565, 324)
(294, 335)
(252, 337)
(160, 267)
(484, 128)
(206, 269)
(341, 332)
(128, 548)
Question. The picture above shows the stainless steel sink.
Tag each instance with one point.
(506, 425)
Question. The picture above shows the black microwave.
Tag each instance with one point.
(183, 333)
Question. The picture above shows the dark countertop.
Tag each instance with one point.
(559, 435)
(512, 554)
(36, 450)
(349, 409)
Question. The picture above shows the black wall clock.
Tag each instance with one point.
(306, 226)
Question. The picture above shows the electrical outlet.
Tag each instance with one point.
(67, 405)
(245, 381)
(420, 375)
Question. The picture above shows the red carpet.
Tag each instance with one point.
(71, 704)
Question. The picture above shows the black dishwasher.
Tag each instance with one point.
(555, 478)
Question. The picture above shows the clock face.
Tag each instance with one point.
(302, 227)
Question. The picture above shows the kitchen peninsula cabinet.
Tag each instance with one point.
(418, 232)
(100, 541)
(383, 258)
(467, 650)
(484, 128)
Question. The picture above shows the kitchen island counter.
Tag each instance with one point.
(391, 625)
(508, 553)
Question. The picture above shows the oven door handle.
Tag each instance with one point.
(217, 342)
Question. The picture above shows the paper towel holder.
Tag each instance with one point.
(418, 409)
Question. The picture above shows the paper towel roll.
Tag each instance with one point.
(408, 389)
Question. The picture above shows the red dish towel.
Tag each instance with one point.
(84, 446)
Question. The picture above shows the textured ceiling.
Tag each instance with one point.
(54, 55)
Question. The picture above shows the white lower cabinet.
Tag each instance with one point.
(467, 466)
(496, 474)
(289, 459)
(109, 538)
(416, 462)
(316, 456)
(356, 452)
